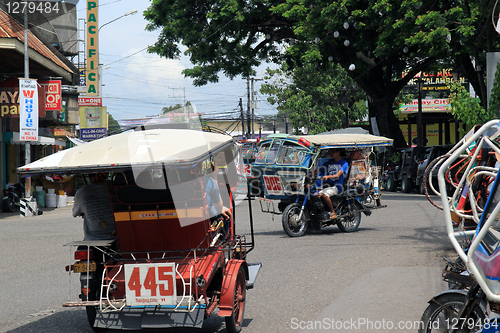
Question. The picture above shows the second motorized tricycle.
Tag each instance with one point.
(285, 165)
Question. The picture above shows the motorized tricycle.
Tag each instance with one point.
(170, 262)
(284, 165)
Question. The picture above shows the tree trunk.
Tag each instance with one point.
(387, 123)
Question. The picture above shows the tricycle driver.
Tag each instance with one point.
(93, 204)
(331, 174)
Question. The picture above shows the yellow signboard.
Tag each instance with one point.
(92, 47)
(93, 116)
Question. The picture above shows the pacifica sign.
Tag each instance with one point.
(92, 47)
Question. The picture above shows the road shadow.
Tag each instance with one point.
(430, 236)
(402, 197)
(75, 321)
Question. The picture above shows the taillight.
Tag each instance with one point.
(82, 255)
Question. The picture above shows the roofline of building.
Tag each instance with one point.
(16, 45)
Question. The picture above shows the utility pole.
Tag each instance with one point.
(253, 113)
(27, 148)
(242, 118)
(420, 137)
(253, 106)
(248, 108)
(186, 117)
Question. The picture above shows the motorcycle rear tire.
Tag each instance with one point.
(291, 223)
(11, 205)
(441, 314)
(350, 222)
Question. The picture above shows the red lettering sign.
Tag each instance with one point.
(53, 96)
(28, 93)
(150, 284)
(273, 185)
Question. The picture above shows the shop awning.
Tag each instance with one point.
(42, 140)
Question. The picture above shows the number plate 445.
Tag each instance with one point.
(150, 284)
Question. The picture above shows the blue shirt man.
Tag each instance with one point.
(331, 168)
(332, 173)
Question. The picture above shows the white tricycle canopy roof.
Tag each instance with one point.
(131, 149)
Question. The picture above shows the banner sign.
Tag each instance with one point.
(61, 132)
(92, 133)
(428, 105)
(53, 95)
(28, 110)
(93, 122)
(92, 50)
(89, 101)
(10, 99)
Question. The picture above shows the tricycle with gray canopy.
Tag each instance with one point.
(285, 163)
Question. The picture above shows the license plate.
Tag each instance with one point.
(81, 267)
(150, 284)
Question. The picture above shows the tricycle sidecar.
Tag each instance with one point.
(171, 262)
(285, 164)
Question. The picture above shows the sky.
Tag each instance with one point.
(138, 84)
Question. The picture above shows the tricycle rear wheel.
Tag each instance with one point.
(233, 322)
(92, 310)
(293, 226)
(350, 222)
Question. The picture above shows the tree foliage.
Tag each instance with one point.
(470, 110)
(314, 99)
(376, 41)
(113, 126)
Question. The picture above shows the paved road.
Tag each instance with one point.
(372, 280)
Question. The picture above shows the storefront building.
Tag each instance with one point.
(440, 127)
(57, 78)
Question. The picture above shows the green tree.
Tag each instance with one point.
(471, 110)
(113, 126)
(172, 108)
(375, 40)
(314, 98)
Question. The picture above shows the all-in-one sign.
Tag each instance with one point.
(28, 110)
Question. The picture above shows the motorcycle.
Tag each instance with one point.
(313, 213)
(475, 307)
(12, 197)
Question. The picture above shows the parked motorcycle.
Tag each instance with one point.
(12, 197)
(475, 307)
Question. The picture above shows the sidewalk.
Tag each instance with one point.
(45, 210)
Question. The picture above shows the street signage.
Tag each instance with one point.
(28, 110)
(53, 96)
(89, 101)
